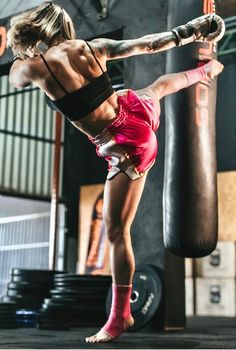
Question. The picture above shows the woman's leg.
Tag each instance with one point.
(121, 199)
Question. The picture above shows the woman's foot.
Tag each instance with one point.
(104, 336)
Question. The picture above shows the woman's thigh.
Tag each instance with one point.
(149, 92)
(121, 199)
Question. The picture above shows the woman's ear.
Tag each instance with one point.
(42, 46)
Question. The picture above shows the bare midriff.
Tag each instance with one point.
(100, 118)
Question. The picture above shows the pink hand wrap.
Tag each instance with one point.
(195, 75)
(120, 310)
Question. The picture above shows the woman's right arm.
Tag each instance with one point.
(116, 49)
(20, 73)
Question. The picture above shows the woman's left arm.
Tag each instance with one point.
(20, 73)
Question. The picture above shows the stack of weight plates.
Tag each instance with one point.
(146, 297)
(8, 315)
(54, 313)
(27, 289)
(76, 301)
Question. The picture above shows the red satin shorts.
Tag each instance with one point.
(129, 143)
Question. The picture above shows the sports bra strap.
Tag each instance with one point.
(53, 75)
(94, 56)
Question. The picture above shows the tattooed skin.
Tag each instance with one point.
(151, 43)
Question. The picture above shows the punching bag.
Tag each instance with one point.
(190, 188)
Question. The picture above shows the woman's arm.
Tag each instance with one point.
(116, 49)
(20, 73)
(199, 29)
(171, 83)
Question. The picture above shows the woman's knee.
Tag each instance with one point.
(116, 231)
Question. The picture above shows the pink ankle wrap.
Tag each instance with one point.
(195, 75)
(120, 310)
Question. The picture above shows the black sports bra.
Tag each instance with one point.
(79, 103)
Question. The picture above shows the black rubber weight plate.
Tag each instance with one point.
(48, 280)
(7, 313)
(7, 306)
(29, 286)
(59, 302)
(8, 325)
(27, 294)
(33, 272)
(84, 279)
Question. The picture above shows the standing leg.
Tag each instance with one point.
(121, 199)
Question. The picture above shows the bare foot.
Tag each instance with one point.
(104, 337)
(101, 337)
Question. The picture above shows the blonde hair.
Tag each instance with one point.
(49, 24)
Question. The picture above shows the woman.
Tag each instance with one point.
(121, 124)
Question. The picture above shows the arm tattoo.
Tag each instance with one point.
(119, 48)
(160, 42)
(145, 45)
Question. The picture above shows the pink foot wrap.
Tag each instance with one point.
(196, 75)
(120, 310)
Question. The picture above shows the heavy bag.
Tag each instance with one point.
(190, 189)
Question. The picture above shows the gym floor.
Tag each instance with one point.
(201, 333)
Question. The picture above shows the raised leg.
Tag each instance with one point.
(121, 199)
(171, 83)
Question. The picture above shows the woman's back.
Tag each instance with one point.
(75, 79)
(73, 64)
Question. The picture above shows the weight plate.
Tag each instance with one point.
(53, 317)
(81, 291)
(80, 284)
(29, 286)
(24, 303)
(146, 296)
(32, 279)
(86, 279)
(61, 302)
(8, 322)
(32, 272)
(80, 299)
(7, 306)
(8, 326)
(54, 308)
(8, 319)
(7, 299)
(61, 297)
(26, 294)
(4, 314)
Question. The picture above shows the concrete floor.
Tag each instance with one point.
(201, 333)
